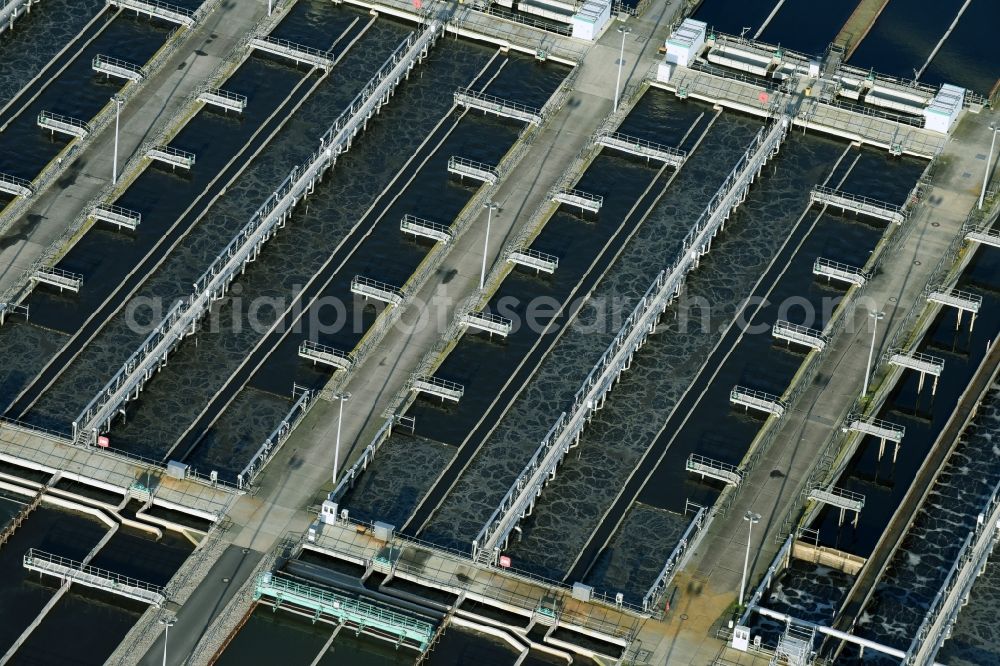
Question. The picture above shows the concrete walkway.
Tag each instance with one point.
(306, 460)
(709, 584)
(300, 475)
(162, 97)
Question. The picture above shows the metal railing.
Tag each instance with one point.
(763, 399)
(98, 412)
(877, 427)
(696, 462)
(292, 50)
(570, 194)
(158, 8)
(11, 10)
(183, 317)
(654, 596)
(293, 46)
(777, 565)
(277, 437)
(363, 613)
(486, 102)
(236, 98)
(361, 464)
(410, 223)
(838, 268)
(566, 430)
(181, 155)
(311, 346)
(798, 333)
(858, 203)
(902, 83)
(498, 582)
(969, 562)
(16, 182)
(534, 258)
(526, 19)
(371, 287)
(637, 146)
(848, 496)
(619, 7)
(45, 116)
(463, 166)
(496, 320)
(59, 274)
(66, 568)
(100, 60)
(916, 360)
(956, 298)
(117, 211)
(436, 382)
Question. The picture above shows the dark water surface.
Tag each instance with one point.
(122, 334)
(38, 37)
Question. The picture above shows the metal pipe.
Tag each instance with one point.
(836, 633)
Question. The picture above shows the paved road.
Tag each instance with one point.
(228, 574)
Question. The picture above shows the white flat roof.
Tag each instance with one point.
(688, 32)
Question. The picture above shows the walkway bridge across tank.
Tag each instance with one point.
(100, 579)
(156, 9)
(361, 614)
(565, 434)
(183, 318)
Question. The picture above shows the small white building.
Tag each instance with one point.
(940, 115)
(683, 46)
(591, 19)
(686, 42)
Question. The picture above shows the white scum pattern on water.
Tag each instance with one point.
(502, 457)
(926, 555)
(297, 252)
(574, 502)
(173, 279)
(35, 39)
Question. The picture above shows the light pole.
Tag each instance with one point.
(621, 58)
(986, 176)
(167, 622)
(751, 518)
(490, 207)
(871, 351)
(114, 163)
(342, 397)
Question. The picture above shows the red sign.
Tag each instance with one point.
(763, 97)
(417, 4)
(103, 442)
(505, 561)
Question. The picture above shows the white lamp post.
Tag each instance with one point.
(986, 176)
(114, 162)
(871, 351)
(342, 397)
(490, 207)
(751, 518)
(621, 59)
(167, 623)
